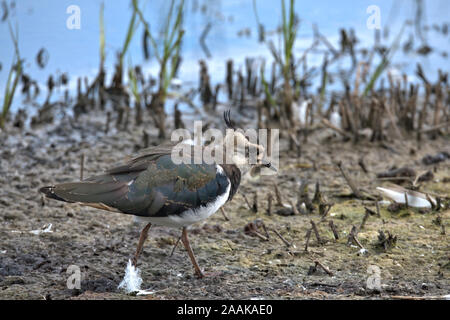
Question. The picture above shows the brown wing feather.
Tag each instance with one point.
(91, 192)
(103, 190)
(125, 188)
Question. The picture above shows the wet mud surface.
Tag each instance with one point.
(242, 265)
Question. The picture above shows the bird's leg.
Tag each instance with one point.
(185, 241)
(142, 238)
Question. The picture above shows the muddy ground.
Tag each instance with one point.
(243, 266)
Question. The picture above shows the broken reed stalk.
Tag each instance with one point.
(127, 118)
(435, 128)
(334, 229)
(81, 166)
(108, 120)
(146, 139)
(43, 200)
(378, 208)
(287, 243)
(384, 105)
(317, 196)
(224, 214)
(323, 84)
(266, 232)
(229, 79)
(133, 82)
(433, 206)
(324, 208)
(308, 236)
(259, 235)
(239, 92)
(216, 96)
(120, 113)
(296, 142)
(355, 239)
(177, 118)
(206, 95)
(278, 195)
(249, 63)
(363, 222)
(324, 268)
(316, 232)
(437, 108)
(175, 246)
(350, 181)
(351, 235)
(255, 203)
(423, 112)
(363, 165)
(406, 200)
(334, 128)
(247, 202)
(269, 204)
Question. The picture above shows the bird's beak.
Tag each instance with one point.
(266, 163)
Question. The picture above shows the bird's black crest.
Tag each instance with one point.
(227, 118)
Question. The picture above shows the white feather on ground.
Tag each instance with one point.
(44, 229)
(415, 199)
(132, 281)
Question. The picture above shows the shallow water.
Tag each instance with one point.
(43, 25)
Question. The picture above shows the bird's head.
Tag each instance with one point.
(243, 149)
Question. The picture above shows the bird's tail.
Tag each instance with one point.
(49, 192)
(88, 191)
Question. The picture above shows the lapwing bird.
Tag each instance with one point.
(158, 191)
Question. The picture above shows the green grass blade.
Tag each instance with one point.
(266, 88)
(133, 83)
(132, 26)
(102, 34)
(385, 61)
(16, 68)
(147, 28)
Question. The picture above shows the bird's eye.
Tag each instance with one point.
(268, 165)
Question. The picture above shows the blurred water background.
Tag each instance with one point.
(233, 34)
